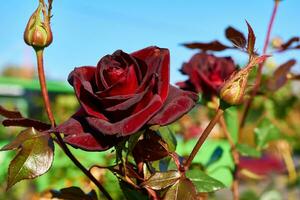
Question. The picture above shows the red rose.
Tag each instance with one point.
(207, 73)
(122, 95)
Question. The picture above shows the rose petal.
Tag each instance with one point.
(177, 104)
(85, 73)
(133, 100)
(157, 61)
(80, 135)
(118, 74)
(130, 124)
(81, 79)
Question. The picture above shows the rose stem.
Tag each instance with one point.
(42, 80)
(202, 138)
(260, 66)
(235, 156)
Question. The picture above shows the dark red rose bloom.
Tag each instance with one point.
(207, 73)
(122, 95)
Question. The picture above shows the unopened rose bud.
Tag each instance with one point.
(233, 90)
(38, 31)
(276, 42)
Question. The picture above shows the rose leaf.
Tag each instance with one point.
(215, 156)
(131, 193)
(9, 114)
(168, 137)
(25, 122)
(287, 44)
(203, 182)
(266, 132)
(182, 189)
(212, 46)
(251, 39)
(279, 77)
(74, 193)
(236, 37)
(161, 180)
(149, 149)
(247, 150)
(34, 157)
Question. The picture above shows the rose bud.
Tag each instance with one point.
(234, 88)
(206, 73)
(38, 32)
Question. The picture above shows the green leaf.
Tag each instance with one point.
(161, 180)
(17, 142)
(265, 133)
(168, 137)
(203, 182)
(34, 158)
(131, 193)
(247, 150)
(182, 189)
(74, 193)
(219, 170)
(232, 122)
(162, 165)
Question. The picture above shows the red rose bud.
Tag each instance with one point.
(38, 31)
(234, 88)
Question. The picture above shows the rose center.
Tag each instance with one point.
(113, 73)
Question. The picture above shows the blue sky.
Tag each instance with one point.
(84, 31)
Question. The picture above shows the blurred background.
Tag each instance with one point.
(85, 31)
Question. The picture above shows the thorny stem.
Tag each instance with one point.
(61, 143)
(236, 158)
(203, 137)
(260, 66)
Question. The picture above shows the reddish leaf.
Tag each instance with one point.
(295, 77)
(279, 77)
(149, 148)
(236, 37)
(212, 46)
(182, 189)
(74, 193)
(286, 45)
(24, 122)
(251, 39)
(9, 114)
(34, 158)
(161, 180)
